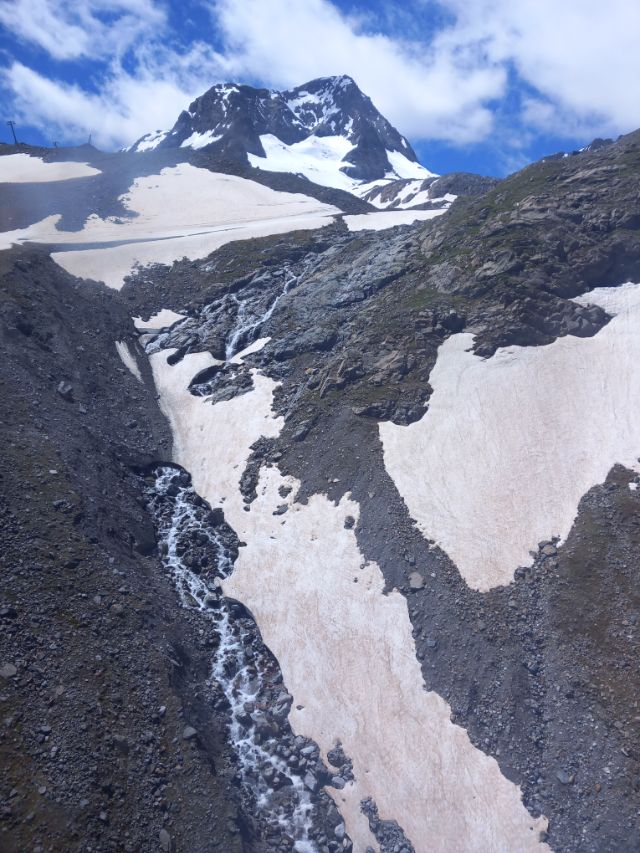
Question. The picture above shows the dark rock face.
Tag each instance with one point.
(235, 116)
(99, 675)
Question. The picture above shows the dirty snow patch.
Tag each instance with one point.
(24, 169)
(389, 219)
(509, 445)
(296, 574)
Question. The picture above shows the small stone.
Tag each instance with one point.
(416, 581)
(549, 550)
(8, 670)
(65, 389)
(310, 781)
(564, 777)
(165, 840)
(189, 733)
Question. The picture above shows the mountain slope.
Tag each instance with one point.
(273, 441)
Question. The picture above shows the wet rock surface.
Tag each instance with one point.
(281, 775)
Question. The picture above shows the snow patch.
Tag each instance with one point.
(200, 140)
(318, 158)
(402, 167)
(24, 169)
(509, 445)
(256, 346)
(160, 320)
(220, 208)
(151, 140)
(389, 219)
(129, 359)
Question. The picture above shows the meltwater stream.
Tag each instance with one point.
(282, 773)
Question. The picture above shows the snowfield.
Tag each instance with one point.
(509, 445)
(389, 219)
(182, 212)
(345, 648)
(24, 169)
(321, 159)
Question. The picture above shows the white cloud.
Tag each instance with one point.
(127, 105)
(580, 55)
(426, 91)
(574, 65)
(84, 28)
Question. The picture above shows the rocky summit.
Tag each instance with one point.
(320, 491)
(288, 131)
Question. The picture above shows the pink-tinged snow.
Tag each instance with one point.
(510, 444)
(200, 140)
(345, 647)
(389, 219)
(151, 140)
(24, 169)
(182, 212)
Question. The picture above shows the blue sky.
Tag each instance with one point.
(479, 85)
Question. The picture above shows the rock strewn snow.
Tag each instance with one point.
(509, 445)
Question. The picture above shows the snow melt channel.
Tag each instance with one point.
(509, 445)
(346, 650)
(241, 666)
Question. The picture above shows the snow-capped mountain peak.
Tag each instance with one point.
(326, 130)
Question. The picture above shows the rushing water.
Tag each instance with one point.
(248, 323)
(242, 666)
